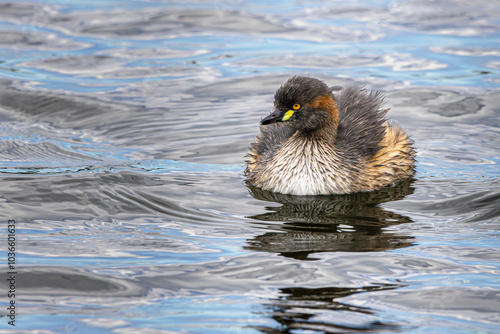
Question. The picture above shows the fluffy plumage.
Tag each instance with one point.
(332, 144)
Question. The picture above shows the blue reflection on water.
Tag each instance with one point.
(373, 43)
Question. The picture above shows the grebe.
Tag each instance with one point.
(316, 142)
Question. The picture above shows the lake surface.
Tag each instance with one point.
(124, 126)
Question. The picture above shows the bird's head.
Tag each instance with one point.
(305, 104)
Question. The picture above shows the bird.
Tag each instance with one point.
(322, 140)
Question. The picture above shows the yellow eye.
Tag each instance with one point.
(296, 106)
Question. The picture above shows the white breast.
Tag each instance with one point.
(306, 168)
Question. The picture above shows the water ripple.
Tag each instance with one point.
(123, 130)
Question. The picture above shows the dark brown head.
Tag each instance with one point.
(305, 104)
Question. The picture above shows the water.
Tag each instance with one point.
(123, 130)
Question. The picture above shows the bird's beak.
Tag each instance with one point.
(277, 116)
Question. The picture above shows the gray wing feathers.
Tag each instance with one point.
(361, 122)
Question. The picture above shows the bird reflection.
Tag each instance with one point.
(321, 310)
(313, 224)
